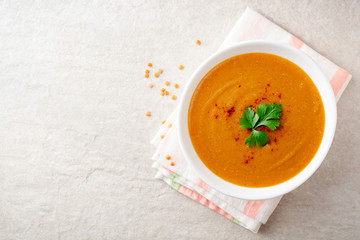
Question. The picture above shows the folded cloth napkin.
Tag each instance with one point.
(249, 214)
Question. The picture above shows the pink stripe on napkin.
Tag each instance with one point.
(294, 41)
(252, 208)
(202, 184)
(338, 80)
(197, 197)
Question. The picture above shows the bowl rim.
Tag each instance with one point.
(327, 96)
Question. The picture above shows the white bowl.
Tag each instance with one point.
(320, 81)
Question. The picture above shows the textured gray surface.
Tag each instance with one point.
(75, 153)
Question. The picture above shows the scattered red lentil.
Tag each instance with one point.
(173, 97)
(159, 70)
(167, 157)
(147, 71)
(147, 113)
(170, 125)
(162, 89)
(181, 67)
(150, 85)
(149, 64)
(146, 75)
(167, 83)
(198, 42)
(163, 122)
(156, 74)
(166, 93)
(172, 163)
(162, 136)
(176, 85)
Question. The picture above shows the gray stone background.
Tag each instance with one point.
(74, 141)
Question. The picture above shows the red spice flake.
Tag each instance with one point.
(279, 127)
(288, 111)
(263, 98)
(252, 107)
(246, 161)
(275, 140)
(279, 95)
(252, 152)
(215, 105)
(239, 85)
(252, 157)
(230, 111)
(265, 90)
(272, 149)
(268, 84)
(263, 129)
(236, 139)
(216, 116)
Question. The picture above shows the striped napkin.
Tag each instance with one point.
(249, 214)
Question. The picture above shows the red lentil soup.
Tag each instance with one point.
(246, 81)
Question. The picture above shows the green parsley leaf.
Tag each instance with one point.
(266, 115)
(250, 140)
(261, 138)
(249, 119)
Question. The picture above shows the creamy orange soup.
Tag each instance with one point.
(246, 81)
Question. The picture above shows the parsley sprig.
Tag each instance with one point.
(266, 115)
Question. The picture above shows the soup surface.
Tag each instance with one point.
(244, 81)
